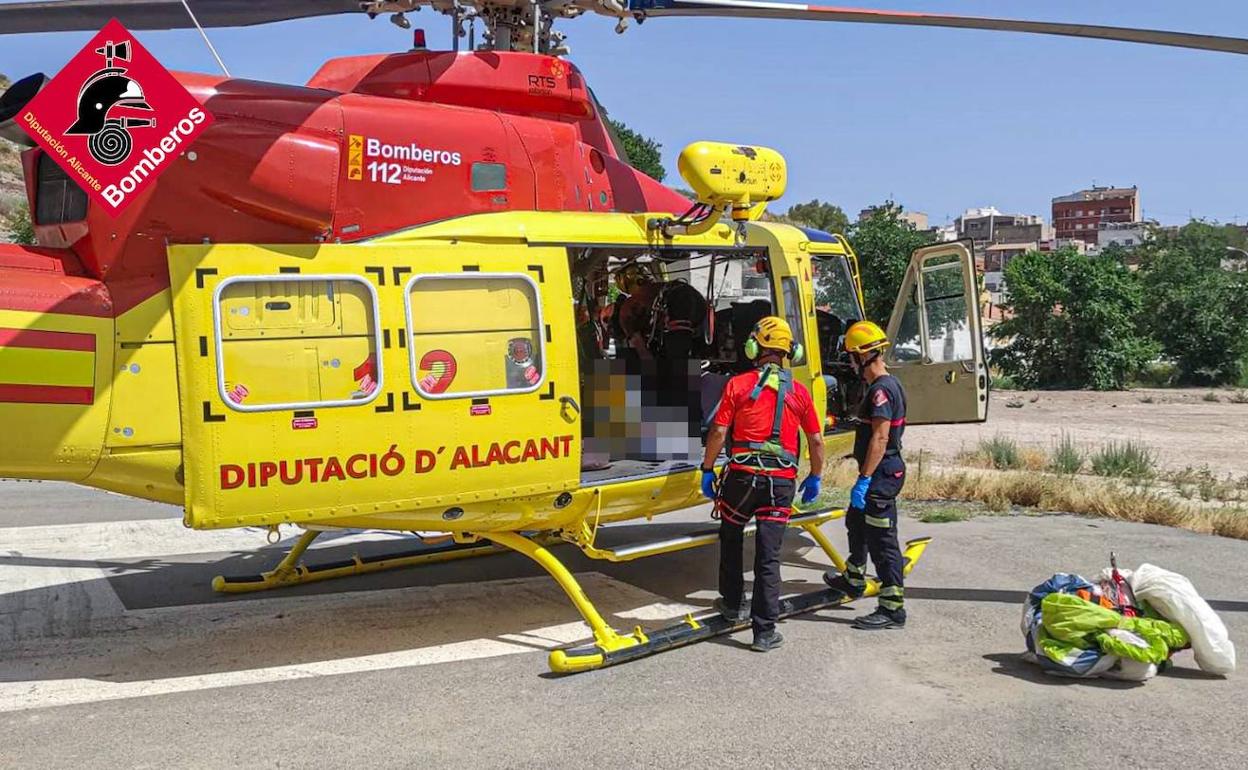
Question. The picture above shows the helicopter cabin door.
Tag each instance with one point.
(406, 386)
(937, 339)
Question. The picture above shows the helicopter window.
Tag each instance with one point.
(793, 314)
(475, 334)
(296, 342)
(834, 289)
(57, 198)
(944, 304)
(907, 345)
(487, 177)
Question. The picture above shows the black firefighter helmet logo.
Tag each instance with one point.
(105, 91)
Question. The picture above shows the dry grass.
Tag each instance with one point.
(1202, 482)
(1002, 453)
(999, 490)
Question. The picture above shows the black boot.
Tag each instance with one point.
(767, 641)
(838, 582)
(742, 612)
(880, 619)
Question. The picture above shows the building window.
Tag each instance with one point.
(475, 334)
(296, 342)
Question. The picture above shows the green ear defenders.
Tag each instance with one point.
(752, 350)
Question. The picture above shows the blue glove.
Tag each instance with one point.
(809, 488)
(708, 484)
(858, 495)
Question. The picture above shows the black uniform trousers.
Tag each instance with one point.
(874, 531)
(769, 500)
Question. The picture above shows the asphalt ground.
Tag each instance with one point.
(115, 652)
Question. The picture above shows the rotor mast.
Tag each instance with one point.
(508, 25)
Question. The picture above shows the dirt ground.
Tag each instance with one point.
(1182, 427)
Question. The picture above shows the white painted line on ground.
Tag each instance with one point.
(144, 538)
(175, 650)
(19, 696)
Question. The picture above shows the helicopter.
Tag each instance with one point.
(378, 301)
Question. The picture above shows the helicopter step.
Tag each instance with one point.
(807, 520)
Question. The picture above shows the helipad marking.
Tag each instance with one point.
(64, 672)
(19, 696)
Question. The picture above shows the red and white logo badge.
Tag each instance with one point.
(880, 398)
(113, 118)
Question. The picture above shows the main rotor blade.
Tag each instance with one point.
(90, 15)
(750, 9)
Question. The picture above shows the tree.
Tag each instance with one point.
(1194, 308)
(883, 242)
(821, 216)
(1072, 321)
(641, 152)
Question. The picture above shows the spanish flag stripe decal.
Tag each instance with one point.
(46, 394)
(46, 367)
(37, 338)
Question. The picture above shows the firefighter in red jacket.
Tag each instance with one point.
(759, 418)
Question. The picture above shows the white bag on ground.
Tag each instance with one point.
(1176, 600)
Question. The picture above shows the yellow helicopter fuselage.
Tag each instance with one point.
(248, 406)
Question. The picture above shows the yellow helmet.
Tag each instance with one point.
(774, 333)
(865, 337)
(632, 277)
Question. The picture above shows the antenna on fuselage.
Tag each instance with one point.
(207, 42)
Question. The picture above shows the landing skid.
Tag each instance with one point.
(610, 646)
(289, 572)
(570, 660)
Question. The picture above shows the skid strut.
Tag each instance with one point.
(610, 647)
(290, 572)
(690, 629)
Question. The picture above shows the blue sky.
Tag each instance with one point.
(939, 120)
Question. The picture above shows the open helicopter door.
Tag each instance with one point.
(415, 386)
(937, 339)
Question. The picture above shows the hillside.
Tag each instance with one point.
(12, 193)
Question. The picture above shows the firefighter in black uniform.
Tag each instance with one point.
(762, 411)
(872, 515)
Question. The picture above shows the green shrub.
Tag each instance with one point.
(1211, 397)
(944, 515)
(1239, 397)
(1127, 459)
(1073, 322)
(17, 223)
(1068, 457)
(1003, 382)
(1157, 374)
(1002, 453)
